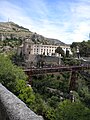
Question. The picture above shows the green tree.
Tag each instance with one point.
(60, 51)
(83, 90)
(85, 49)
(74, 45)
(10, 74)
(72, 111)
(67, 53)
(14, 79)
(26, 94)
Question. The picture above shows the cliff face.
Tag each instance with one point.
(10, 30)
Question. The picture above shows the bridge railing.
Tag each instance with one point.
(36, 71)
(12, 108)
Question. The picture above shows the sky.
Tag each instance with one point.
(66, 20)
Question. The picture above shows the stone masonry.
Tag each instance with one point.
(12, 108)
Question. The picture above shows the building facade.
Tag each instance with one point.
(29, 48)
(48, 50)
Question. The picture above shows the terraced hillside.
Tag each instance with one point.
(10, 30)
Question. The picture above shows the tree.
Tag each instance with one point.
(72, 111)
(14, 79)
(74, 45)
(10, 74)
(26, 94)
(67, 53)
(60, 51)
(85, 49)
(71, 62)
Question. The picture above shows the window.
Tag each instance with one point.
(37, 50)
(29, 46)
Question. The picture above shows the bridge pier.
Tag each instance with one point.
(29, 76)
(72, 85)
(30, 80)
(73, 81)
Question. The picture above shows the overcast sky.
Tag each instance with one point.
(66, 20)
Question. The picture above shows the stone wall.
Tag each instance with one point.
(12, 108)
(52, 60)
(34, 59)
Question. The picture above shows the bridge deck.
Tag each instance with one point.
(36, 71)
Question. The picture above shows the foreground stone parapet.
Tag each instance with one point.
(12, 108)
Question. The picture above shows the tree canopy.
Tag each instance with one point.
(15, 79)
(84, 48)
(60, 51)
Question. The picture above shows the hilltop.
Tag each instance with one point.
(10, 30)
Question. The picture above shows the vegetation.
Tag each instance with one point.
(54, 95)
(71, 61)
(60, 51)
(9, 72)
(84, 48)
(72, 111)
(49, 95)
(10, 42)
(15, 79)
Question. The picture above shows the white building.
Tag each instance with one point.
(40, 49)
(47, 50)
